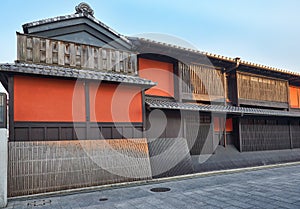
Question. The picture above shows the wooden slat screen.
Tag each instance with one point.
(253, 87)
(39, 167)
(40, 50)
(264, 134)
(198, 133)
(295, 128)
(202, 80)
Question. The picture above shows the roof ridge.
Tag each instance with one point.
(217, 56)
(73, 16)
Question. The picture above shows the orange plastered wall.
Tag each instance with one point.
(294, 102)
(229, 127)
(216, 124)
(217, 121)
(47, 100)
(160, 72)
(110, 103)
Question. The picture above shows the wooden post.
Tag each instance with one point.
(237, 89)
(225, 88)
(224, 124)
(240, 135)
(290, 134)
(177, 81)
(11, 108)
(87, 108)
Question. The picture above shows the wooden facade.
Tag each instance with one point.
(53, 113)
(265, 134)
(39, 50)
(262, 91)
(201, 82)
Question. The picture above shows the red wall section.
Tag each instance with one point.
(47, 99)
(229, 127)
(294, 102)
(160, 72)
(216, 124)
(110, 103)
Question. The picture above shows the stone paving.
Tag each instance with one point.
(267, 188)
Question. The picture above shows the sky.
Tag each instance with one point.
(261, 31)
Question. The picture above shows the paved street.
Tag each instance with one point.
(268, 188)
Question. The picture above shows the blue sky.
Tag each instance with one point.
(261, 31)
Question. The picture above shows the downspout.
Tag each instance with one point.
(237, 61)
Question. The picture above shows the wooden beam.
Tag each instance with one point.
(291, 134)
(225, 88)
(11, 107)
(87, 107)
(240, 135)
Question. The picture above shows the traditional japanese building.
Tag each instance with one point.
(89, 106)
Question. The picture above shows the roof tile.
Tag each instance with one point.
(167, 104)
(74, 73)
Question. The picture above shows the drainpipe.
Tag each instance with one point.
(237, 61)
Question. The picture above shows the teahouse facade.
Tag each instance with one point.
(89, 106)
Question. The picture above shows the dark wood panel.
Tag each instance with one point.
(198, 132)
(171, 129)
(264, 134)
(295, 133)
(43, 131)
(260, 88)
(263, 103)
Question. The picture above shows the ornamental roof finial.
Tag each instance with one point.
(84, 8)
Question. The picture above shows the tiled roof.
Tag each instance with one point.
(74, 73)
(74, 16)
(167, 104)
(216, 56)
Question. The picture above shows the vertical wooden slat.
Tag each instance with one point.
(133, 65)
(125, 62)
(117, 61)
(84, 56)
(78, 55)
(49, 51)
(43, 51)
(54, 52)
(95, 58)
(67, 54)
(61, 53)
(36, 50)
(104, 59)
(90, 57)
(21, 47)
(72, 55)
(108, 60)
(121, 63)
(100, 60)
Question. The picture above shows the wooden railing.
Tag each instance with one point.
(259, 88)
(202, 82)
(39, 50)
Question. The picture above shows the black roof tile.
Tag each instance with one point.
(74, 73)
(167, 104)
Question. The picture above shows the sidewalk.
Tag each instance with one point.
(267, 188)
